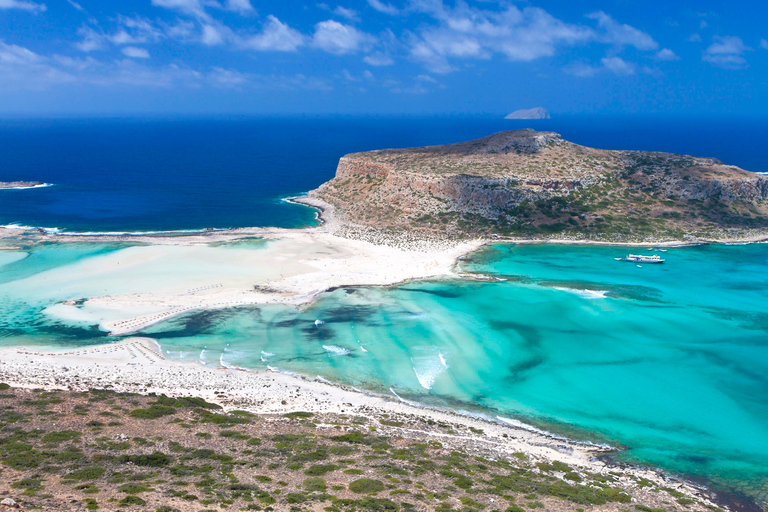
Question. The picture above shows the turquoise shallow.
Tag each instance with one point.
(669, 361)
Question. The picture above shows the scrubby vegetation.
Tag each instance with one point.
(190, 455)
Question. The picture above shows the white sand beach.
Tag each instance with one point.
(129, 289)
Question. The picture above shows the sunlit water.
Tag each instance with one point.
(669, 361)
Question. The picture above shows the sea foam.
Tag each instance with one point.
(428, 363)
(337, 350)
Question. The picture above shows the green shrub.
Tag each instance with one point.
(134, 488)
(298, 415)
(320, 469)
(315, 484)
(366, 486)
(91, 504)
(30, 486)
(131, 500)
(220, 419)
(186, 402)
(378, 505)
(87, 488)
(86, 473)
(4, 386)
(153, 412)
(61, 436)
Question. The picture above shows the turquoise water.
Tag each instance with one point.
(668, 361)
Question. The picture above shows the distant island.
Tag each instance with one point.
(532, 113)
(22, 184)
(536, 185)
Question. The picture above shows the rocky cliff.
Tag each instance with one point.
(537, 184)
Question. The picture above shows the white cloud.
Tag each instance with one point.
(91, 40)
(580, 69)
(135, 52)
(694, 38)
(24, 6)
(618, 66)
(349, 14)
(379, 59)
(211, 36)
(193, 7)
(469, 33)
(727, 52)
(75, 5)
(241, 6)
(619, 34)
(12, 54)
(227, 77)
(384, 8)
(667, 55)
(275, 36)
(338, 38)
(196, 8)
(764, 44)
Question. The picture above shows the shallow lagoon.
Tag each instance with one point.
(668, 360)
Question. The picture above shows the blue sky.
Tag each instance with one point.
(383, 56)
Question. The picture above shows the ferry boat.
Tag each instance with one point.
(641, 258)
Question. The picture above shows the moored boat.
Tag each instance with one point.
(642, 258)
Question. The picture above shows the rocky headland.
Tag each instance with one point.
(536, 185)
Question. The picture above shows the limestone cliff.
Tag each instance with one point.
(537, 184)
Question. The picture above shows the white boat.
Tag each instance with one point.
(641, 258)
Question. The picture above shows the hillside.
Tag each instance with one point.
(101, 450)
(536, 184)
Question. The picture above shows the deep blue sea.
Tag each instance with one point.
(173, 174)
(669, 362)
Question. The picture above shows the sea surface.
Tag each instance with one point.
(668, 362)
(174, 174)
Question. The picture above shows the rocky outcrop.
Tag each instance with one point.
(531, 113)
(535, 183)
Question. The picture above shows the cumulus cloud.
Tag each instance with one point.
(135, 52)
(241, 6)
(727, 52)
(211, 36)
(618, 66)
(384, 8)
(620, 34)
(466, 32)
(667, 55)
(338, 38)
(24, 6)
(91, 40)
(275, 36)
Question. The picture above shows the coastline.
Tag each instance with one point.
(395, 261)
(136, 365)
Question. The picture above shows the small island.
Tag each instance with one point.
(528, 114)
(538, 186)
(22, 184)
